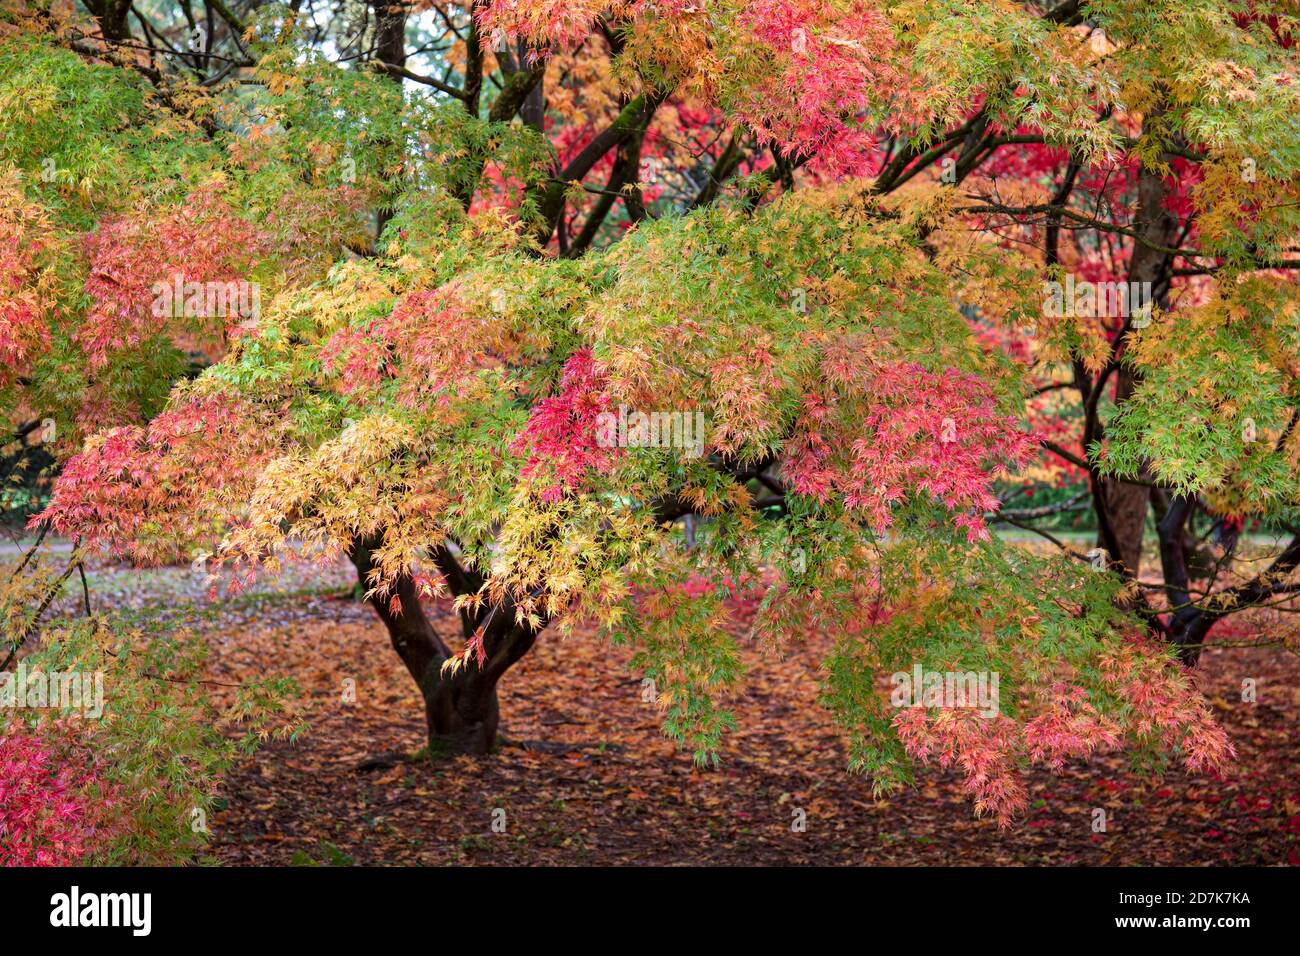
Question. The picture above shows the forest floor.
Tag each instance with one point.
(588, 778)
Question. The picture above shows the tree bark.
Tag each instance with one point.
(390, 32)
(111, 15)
(461, 709)
(390, 49)
(1126, 504)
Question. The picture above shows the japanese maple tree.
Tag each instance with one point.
(482, 232)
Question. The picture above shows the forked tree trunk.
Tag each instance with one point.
(461, 709)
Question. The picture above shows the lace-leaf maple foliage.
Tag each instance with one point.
(49, 800)
(428, 400)
(122, 768)
(445, 391)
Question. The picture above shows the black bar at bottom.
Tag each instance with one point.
(659, 906)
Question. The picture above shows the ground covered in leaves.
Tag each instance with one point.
(587, 778)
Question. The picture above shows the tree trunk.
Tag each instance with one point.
(111, 15)
(1126, 504)
(390, 48)
(461, 709)
(390, 32)
(1191, 620)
